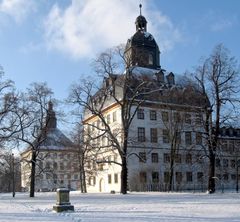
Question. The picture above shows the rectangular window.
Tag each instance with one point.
(198, 118)
(233, 176)
(154, 157)
(142, 157)
(178, 177)
(189, 176)
(198, 138)
(143, 177)
(108, 119)
(233, 163)
(115, 178)
(225, 162)
(188, 138)
(114, 116)
(109, 178)
(176, 117)
(153, 132)
(155, 177)
(200, 176)
(165, 136)
(141, 134)
(225, 177)
(188, 158)
(165, 117)
(153, 115)
(140, 114)
(218, 162)
(166, 177)
(178, 158)
(166, 158)
(188, 118)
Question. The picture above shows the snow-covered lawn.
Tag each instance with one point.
(134, 207)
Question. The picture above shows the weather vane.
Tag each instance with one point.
(140, 6)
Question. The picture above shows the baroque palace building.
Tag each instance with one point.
(166, 137)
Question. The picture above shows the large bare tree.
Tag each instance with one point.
(218, 78)
(31, 111)
(126, 90)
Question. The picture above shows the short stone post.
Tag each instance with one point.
(63, 203)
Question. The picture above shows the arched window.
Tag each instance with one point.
(150, 59)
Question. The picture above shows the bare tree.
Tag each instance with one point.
(218, 78)
(31, 111)
(126, 91)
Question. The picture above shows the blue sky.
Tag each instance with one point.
(55, 41)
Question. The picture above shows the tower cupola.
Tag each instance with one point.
(142, 49)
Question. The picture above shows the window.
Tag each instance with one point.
(218, 162)
(155, 177)
(114, 116)
(178, 177)
(153, 132)
(198, 138)
(115, 178)
(75, 176)
(141, 134)
(188, 118)
(225, 162)
(142, 157)
(188, 138)
(48, 165)
(178, 158)
(55, 166)
(198, 118)
(153, 115)
(150, 59)
(140, 114)
(188, 158)
(165, 116)
(189, 176)
(61, 166)
(109, 160)
(154, 157)
(165, 136)
(233, 176)
(178, 136)
(176, 117)
(233, 163)
(108, 119)
(166, 157)
(225, 176)
(109, 178)
(166, 177)
(143, 177)
(200, 176)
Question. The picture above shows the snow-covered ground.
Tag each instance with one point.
(134, 207)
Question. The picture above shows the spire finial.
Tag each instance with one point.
(140, 7)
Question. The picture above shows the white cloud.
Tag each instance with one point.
(17, 9)
(86, 27)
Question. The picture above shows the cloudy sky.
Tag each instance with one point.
(56, 40)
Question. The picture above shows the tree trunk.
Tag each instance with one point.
(32, 177)
(170, 186)
(211, 179)
(124, 176)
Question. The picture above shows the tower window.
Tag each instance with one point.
(150, 59)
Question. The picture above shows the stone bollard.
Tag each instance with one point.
(63, 203)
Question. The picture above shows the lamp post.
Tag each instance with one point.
(238, 165)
